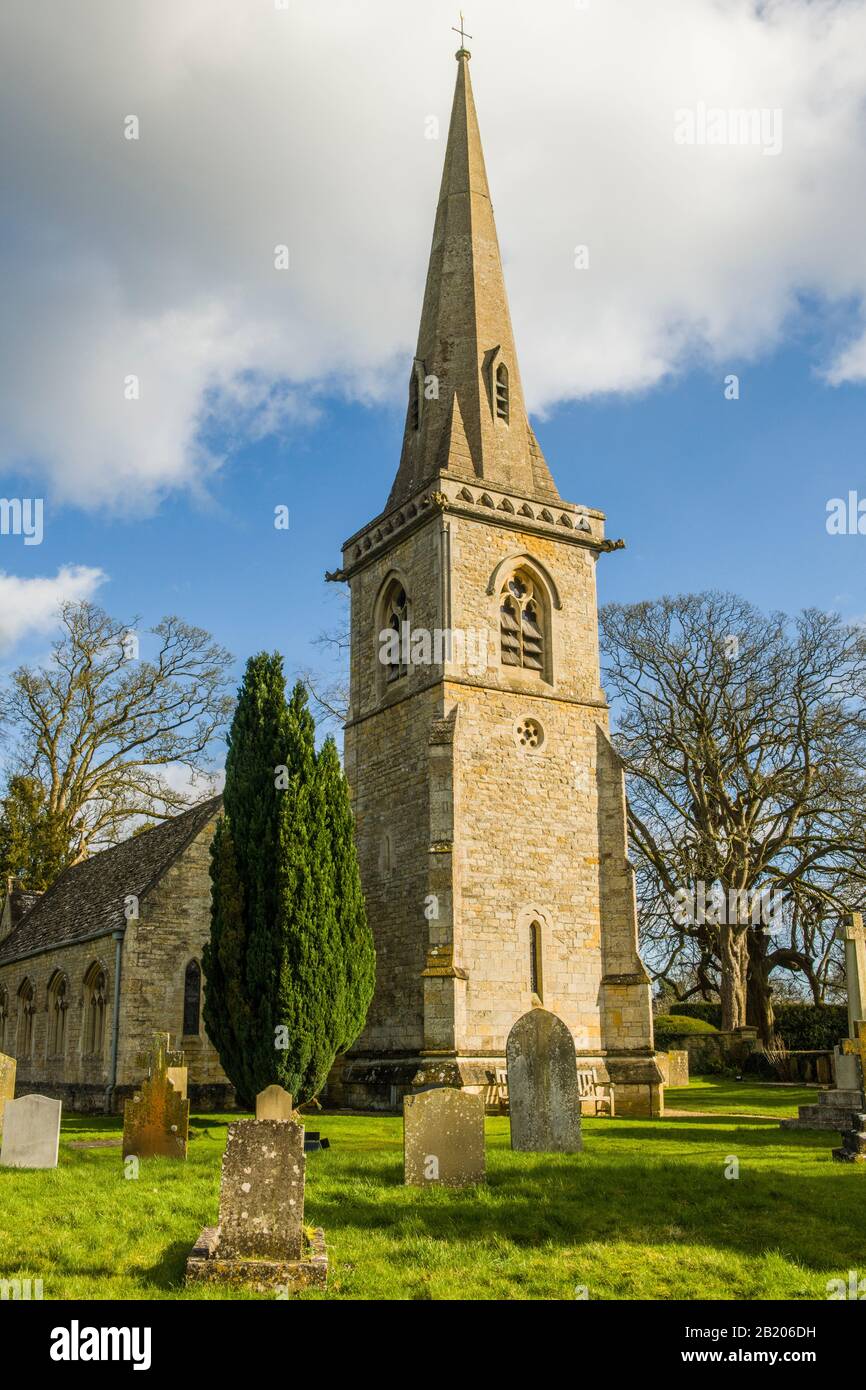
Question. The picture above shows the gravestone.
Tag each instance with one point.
(443, 1138)
(178, 1076)
(678, 1069)
(853, 1146)
(543, 1094)
(260, 1239)
(273, 1103)
(262, 1190)
(842, 1107)
(31, 1133)
(853, 933)
(156, 1120)
(7, 1082)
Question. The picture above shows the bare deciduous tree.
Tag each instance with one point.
(98, 725)
(744, 737)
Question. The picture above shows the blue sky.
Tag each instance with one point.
(155, 256)
(707, 493)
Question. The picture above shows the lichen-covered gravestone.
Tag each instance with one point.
(156, 1120)
(443, 1138)
(543, 1094)
(260, 1239)
(7, 1082)
(274, 1103)
(31, 1133)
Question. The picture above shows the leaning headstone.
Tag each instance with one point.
(273, 1103)
(156, 1120)
(543, 1092)
(443, 1138)
(31, 1133)
(7, 1082)
(260, 1239)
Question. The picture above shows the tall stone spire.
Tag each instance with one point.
(466, 412)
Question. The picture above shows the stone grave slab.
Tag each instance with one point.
(156, 1120)
(543, 1092)
(31, 1133)
(274, 1103)
(260, 1239)
(179, 1078)
(8, 1066)
(443, 1138)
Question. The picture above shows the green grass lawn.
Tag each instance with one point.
(644, 1212)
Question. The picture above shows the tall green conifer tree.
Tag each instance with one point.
(290, 964)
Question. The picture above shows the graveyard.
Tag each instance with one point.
(416, 884)
(644, 1211)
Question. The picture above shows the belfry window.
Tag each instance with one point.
(521, 624)
(502, 402)
(396, 633)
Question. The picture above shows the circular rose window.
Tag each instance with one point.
(530, 734)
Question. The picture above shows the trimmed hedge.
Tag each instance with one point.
(668, 1027)
(811, 1027)
(710, 1013)
(803, 1027)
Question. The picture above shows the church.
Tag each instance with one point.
(489, 802)
(108, 956)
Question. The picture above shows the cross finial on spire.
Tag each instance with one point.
(463, 50)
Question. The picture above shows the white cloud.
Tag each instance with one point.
(30, 606)
(849, 365)
(306, 126)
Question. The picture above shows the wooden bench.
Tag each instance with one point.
(594, 1092)
(496, 1094)
(591, 1091)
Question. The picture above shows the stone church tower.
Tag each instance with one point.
(489, 802)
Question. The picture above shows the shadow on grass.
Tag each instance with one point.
(531, 1201)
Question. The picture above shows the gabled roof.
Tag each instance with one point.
(87, 900)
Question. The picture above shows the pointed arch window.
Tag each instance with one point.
(95, 990)
(26, 1015)
(522, 623)
(535, 982)
(58, 1004)
(394, 633)
(4, 1016)
(192, 1000)
(503, 404)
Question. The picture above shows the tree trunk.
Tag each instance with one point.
(734, 961)
(760, 1013)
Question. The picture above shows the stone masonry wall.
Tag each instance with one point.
(172, 930)
(40, 1071)
(529, 835)
(173, 927)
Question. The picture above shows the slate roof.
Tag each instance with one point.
(88, 899)
(20, 902)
